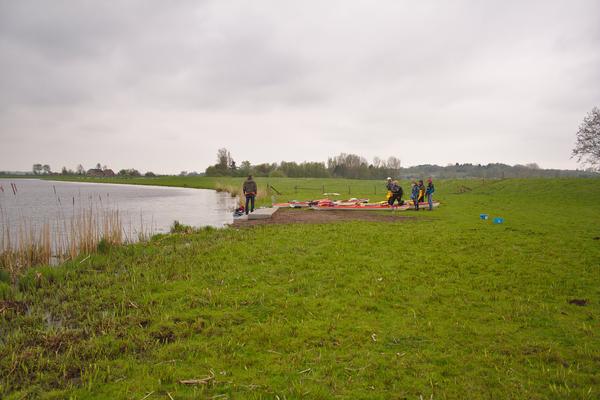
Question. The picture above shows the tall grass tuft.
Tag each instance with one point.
(25, 244)
(31, 246)
(236, 191)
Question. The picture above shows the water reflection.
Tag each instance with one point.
(141, 209)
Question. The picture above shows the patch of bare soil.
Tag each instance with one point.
(579, 302)
(307, 216)
(19, 307)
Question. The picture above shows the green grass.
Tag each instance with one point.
(285, 188)
(444, 306)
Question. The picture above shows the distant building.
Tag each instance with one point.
(98, 173)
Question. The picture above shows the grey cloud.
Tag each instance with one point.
(471, 81)
(170, 55)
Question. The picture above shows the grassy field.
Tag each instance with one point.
(285, 189)
(441, 306)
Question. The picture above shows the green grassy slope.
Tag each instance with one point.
(445, 305)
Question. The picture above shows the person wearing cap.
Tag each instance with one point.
(397, 192)
(250, 193)
(414, 195)
(429, 193)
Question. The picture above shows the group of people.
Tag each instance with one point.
(418, 192)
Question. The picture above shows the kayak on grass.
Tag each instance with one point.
(293, 204)
(372, 207)
(351, 204)
(320, 202)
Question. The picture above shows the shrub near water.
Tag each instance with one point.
(441, 306)
(262, 195)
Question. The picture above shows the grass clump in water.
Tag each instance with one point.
(178, 227)
(80, 230)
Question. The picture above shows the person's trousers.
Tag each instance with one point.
(430, 201)
(395, 196)
(249, 201)
(416, 202)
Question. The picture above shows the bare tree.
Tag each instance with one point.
(80, 170)
(393, 163)
(223, 159)
(587, 147)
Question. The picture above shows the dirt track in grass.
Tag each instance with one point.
(307, 216)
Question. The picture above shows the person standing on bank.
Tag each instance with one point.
(429, 193)
(250, 193)
(397, 192)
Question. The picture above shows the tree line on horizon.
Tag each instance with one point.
(353, 166)
(39, 169)
(587, 152)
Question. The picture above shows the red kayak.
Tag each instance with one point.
(352, 204)
(372, 207)
(321, 203)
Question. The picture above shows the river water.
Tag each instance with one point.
(151, 209)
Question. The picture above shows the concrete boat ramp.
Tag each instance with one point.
(259, 213)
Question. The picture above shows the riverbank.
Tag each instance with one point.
(445, 305)
(43, 221)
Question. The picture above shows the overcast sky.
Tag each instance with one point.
(161, 85)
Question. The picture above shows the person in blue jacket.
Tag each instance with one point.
(414, 195)
(429, 193)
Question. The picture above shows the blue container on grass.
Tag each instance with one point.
(483, 216)
(498, 220)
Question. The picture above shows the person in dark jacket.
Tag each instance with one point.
(421, 191)
(429, 193)
(414, 195)
(250, 190)
(388, 186)
(397, 192)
